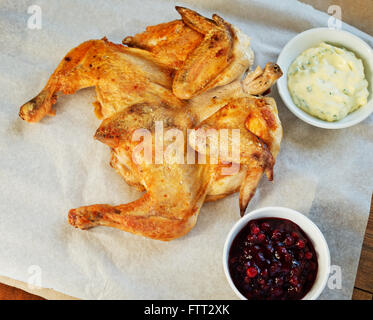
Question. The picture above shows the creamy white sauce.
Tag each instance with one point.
(328, 82)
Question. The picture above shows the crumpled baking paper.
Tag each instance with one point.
(52, 166)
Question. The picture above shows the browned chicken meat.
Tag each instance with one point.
(185, 78)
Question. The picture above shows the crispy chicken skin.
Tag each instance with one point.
(204, 52)
(122, 77)
(186, 74)
(171, 42)
(175, 192)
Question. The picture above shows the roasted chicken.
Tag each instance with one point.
(183, 77)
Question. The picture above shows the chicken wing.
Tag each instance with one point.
(205, 53)
(258, 124)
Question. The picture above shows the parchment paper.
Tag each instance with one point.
(50, 167)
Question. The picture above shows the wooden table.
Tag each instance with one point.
(359, 14)
(12, 293)
(364, 279)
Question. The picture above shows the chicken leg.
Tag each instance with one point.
(175, 190)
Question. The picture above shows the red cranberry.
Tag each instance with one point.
(283, 250)
(288, 257)
(251, 238)
(254, 228)
(294, 235)
(293, 280)
(308, 255)
(261, 237)
(300, 244)
(276, 235)
(289, 241)
(265, 226)
(294, 271)
(251, 272)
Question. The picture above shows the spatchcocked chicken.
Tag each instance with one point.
(188, 78)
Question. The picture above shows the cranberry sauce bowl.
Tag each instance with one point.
(272, 258)
(276, 253)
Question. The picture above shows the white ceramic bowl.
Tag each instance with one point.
(312, 231)
(311, 38)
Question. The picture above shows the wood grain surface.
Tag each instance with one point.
(358, 13)
(12, 293)
(364, 278)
